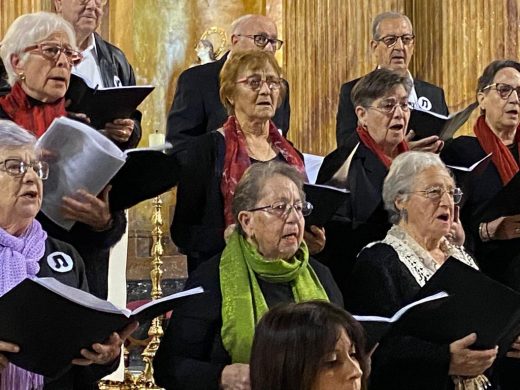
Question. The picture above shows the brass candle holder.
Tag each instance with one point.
(145, 380)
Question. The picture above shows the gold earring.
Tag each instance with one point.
(21, 76)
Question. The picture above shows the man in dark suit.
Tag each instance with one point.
(197, 108)
(392, 45)
(103, 64)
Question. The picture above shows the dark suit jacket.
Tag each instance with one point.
(346, 119)
(113, 63)
(197, 109)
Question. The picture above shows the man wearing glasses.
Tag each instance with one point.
(196, 107)
(392, 45)
(103, 64)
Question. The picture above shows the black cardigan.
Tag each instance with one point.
(191, 354)
(499, 259)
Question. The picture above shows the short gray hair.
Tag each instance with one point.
(27, 30)
(14, 136)
(250, 187)
(387, 15)
(401, 176)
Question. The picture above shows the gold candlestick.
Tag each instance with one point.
(145, 379)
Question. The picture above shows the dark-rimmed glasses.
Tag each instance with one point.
(436, 193)
(255, 82)
(504, 90)
(15, 167)
(52, 51)
(262, 40)
(282, 209)
(388, 106)
(391, 40)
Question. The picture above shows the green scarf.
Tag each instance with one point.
(243, 303)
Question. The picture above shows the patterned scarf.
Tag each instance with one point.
(369, 142)
(28, 113)
(243, 303)
(237, 159)
(502, 158)
(19, 258)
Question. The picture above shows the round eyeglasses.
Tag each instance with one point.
(436, 193)
(255, 82)
(503, 90)
(282, 209)
(52, 52)
(388, 106)
(15, 167)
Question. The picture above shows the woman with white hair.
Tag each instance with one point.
(420, 195)
(27, 251)
(38, 52)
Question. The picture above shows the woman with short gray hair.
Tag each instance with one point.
(421, 197)
(265, 262)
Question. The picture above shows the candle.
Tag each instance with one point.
(156, 139)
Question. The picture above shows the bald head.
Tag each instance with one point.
(244, 28)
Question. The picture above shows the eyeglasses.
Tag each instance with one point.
(255, 82)
(503, 90)
(262, 41)
(98, 3)
(436, 193)
(391, 40)
(17, 168)
(52, 52)
(388, 106)
(282, 209)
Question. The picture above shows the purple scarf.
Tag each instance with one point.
(19, 258)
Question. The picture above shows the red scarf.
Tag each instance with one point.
(237, 160)
(502, 158)
(369, 142)
(33, 117)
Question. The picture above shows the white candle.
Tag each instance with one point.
(156, 139)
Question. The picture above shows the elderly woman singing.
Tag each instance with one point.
(39, 51)
(251, 88)
(265, 262)
(24, 252)
(420, 196)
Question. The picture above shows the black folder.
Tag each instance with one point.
(145, 174)
(103, 105)
(47, 321)
(428, 123)
(325, 200)
(465, 176)
(476, 303)
(505, 202)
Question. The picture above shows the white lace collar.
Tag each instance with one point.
(419, 262)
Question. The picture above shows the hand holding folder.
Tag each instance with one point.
(52, 322)
(476, 304)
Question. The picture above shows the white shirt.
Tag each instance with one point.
(89, 68)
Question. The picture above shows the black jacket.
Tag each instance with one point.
(197, 109)
(362, 219)
(191, 355)
(114, 66)
(346, 119)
